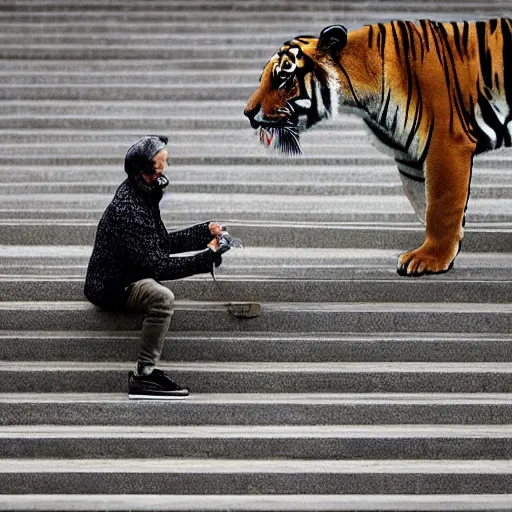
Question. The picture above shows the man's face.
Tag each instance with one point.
(159, 165)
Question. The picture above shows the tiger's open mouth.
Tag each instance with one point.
(282, 137)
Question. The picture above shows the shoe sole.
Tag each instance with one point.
(157, 397)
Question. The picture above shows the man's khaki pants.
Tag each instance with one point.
(157, 302)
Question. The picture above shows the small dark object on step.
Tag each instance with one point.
(245, 309)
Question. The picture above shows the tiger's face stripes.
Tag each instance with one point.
(296, 92)
(433, 94)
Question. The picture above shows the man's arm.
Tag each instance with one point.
(178, 267)
(193, 238)
(144, 253)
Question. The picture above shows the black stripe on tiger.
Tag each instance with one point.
(465, 36)
(433, 32)
(424, 27)
(456, 37)
(406, 52)
(417, 117)
(381, 39)
(484, 52)
(439, 36)
(457, 101)
(506, 32)
(396, 39)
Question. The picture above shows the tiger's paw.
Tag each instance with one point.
(424, 261)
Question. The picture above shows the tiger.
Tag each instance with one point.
(433, 94)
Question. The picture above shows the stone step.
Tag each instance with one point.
(430, 442)
(247, 151)
(226, 13)
(251, 5)
(321, 317)
(227, 141)
(46, 313)
(350, 14)
(230, 109)
(261, 157)
(146, 39)
(164, 35)
(231, 32)
(236, 28)
(124, 121)
(201, 119)
(80, 188)
(158, 124)
(47, 177)
(227, 476)
(271, 266)
(258, 377)
(485, 237)
(317, 16)
(168, 92)
(295, 11)
(247, 145)
(338, 150)
(66, 408)
(149, 65)
(260, 502)
(453, 289)
(261, 207)
(108, 142)
(246, 346)
(56, 214)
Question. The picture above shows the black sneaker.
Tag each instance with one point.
(155, 386)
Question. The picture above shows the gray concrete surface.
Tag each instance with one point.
(275, 317)
(493, 237)
(264, 442)
(258, 409)
(164, 476)
(297, 502)
(254, 347)
(261, 377)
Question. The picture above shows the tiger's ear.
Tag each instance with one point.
(332, 40)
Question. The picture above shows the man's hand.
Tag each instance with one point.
(214, 244)
(215, 228)
(223, 241)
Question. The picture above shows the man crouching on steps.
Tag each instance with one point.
(132, 254)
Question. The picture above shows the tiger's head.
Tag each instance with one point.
(298, 88)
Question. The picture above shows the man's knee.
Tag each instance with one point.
(149, 294)
(167, 297)
(162, 297)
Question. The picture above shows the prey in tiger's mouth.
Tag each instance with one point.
(283, 138)
(282, 134)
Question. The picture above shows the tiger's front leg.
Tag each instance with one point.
(447, 179)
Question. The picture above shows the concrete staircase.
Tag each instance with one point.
(354, 390)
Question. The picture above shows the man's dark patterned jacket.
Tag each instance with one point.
(132, 243)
